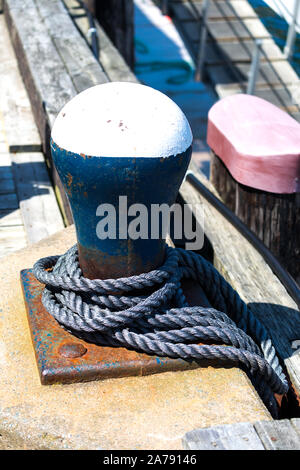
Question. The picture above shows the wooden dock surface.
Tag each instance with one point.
(263, 435)
(163, 62)
(159, 409)
(249, 274)
(28, 207)
(56, 63)
(233, 27)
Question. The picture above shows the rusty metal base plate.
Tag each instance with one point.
(63, 358)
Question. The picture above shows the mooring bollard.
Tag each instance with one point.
(256, 170)
(126, 293)
(120, 148)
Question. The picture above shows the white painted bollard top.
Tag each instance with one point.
(121, 119)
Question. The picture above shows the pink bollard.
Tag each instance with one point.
(256, 170)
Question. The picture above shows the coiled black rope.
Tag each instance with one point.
(118, 312)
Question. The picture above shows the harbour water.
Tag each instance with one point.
(163, 62)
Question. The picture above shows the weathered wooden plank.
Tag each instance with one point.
(286, 97)
(248, 28)
(295, 116)
(220, 75)
(217, 10)
(262, 435)
(85, 71)
(228, 30)
(269, 74)
(55, 62)
(230, 47)
(37, 200)
(46, 79)
(282, 97)
(248, 273)
(228, 89)
(242, 51)
(112, 62)
(275, 73)
(274, 218)
(296, 424)
(42, 69)
(227, 54)
(185, 11)
(240, 8)
(278, 435)
(20, 128)
(240, 436)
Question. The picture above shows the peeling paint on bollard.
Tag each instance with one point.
(112, 140)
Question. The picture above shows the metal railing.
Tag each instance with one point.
(292, 33)
(202, 43)
(254, 69)
(202, 51)
(258, 54)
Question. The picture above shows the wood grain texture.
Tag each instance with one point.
(217, 10)
(56, 63)
(228, 29)
(245, 269)
(39, 209)
(262, 435)
(278, 435)
(240, 436)
(112, 62)
(83, 68)
(46, 79)
(274, 218)
(225, 186)
(20, 128)
(28, 207)
(233, 27)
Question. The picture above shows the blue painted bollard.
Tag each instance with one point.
(120, 150)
